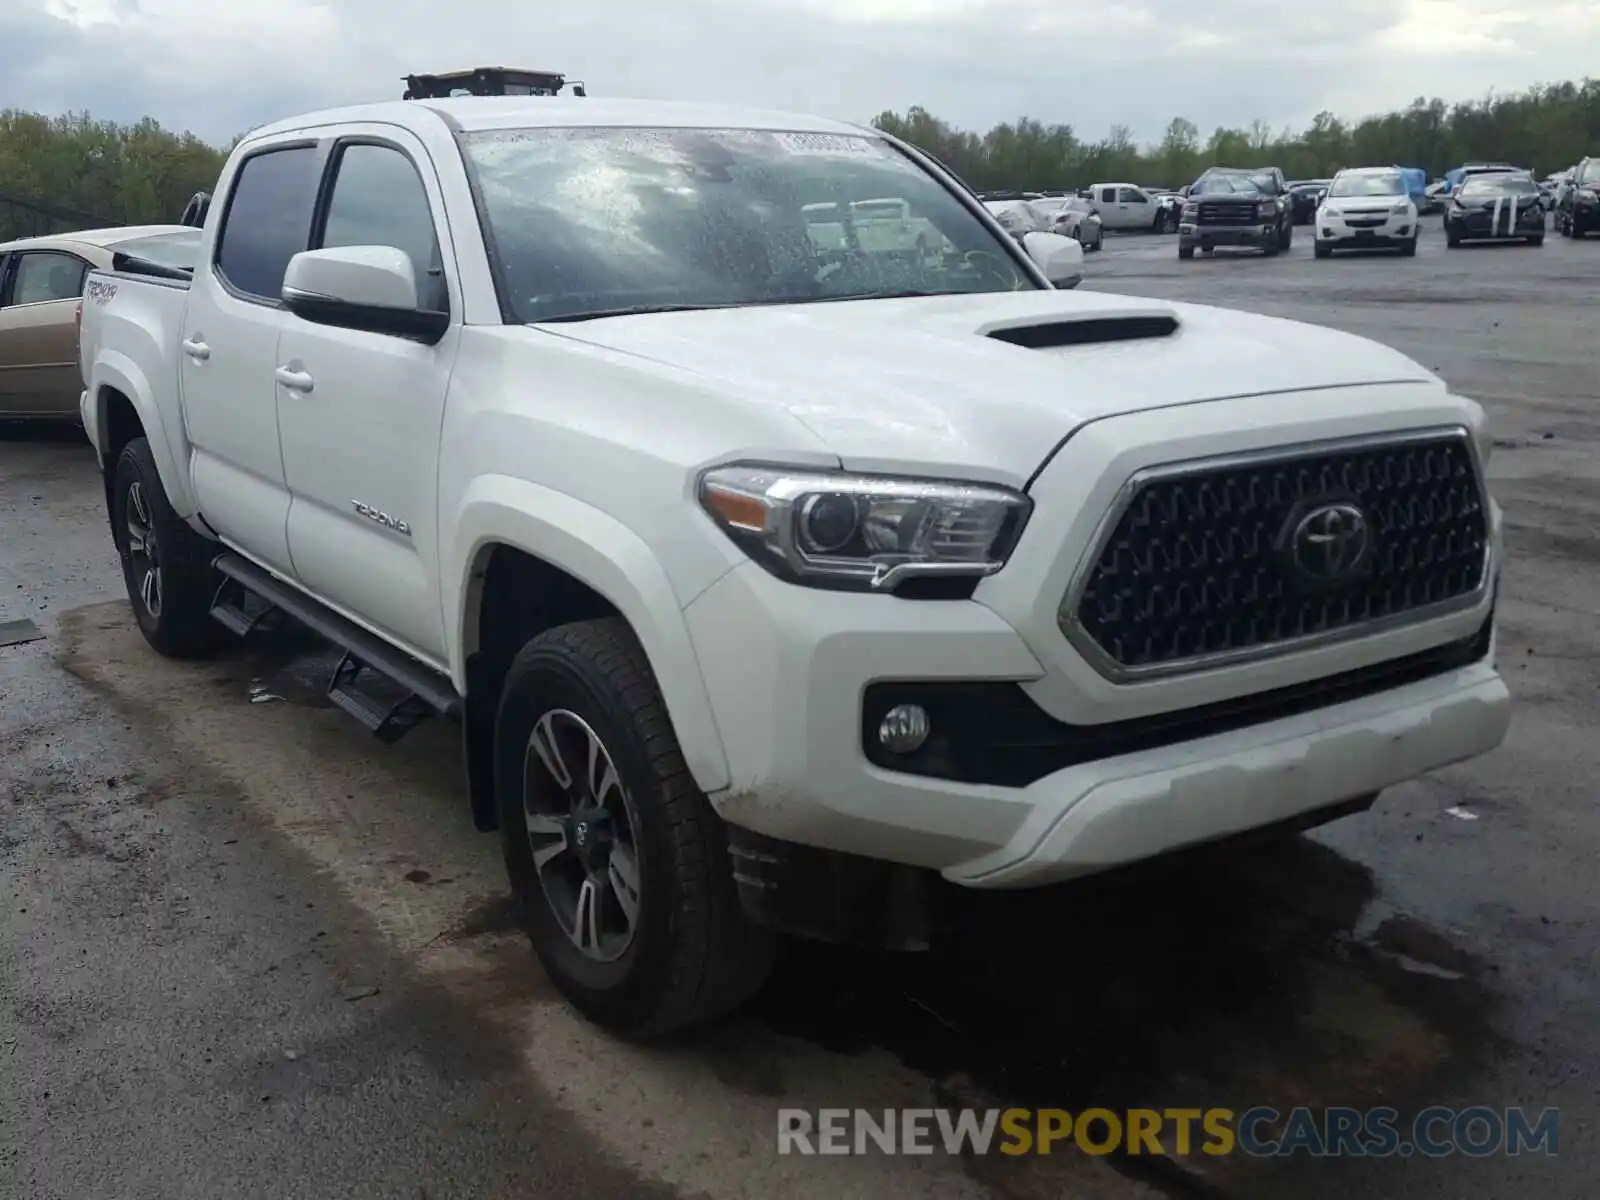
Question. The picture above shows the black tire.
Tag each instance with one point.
(691, 955)
(167, 568)
(1451, 241)
(1321, 250)
(1186, 252)
(1271, 249)
(1409, 250)
(1536, 241)
(1286, 236)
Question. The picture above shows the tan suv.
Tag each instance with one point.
(41, 280)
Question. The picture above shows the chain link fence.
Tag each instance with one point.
(21, 218)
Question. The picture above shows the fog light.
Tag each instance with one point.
(904, 728)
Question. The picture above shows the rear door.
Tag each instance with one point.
(39, 372)
(231, 327)
(361, 441)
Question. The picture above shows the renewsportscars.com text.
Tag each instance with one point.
(1477, 1132)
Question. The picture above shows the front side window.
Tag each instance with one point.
(45, 276)
(378, 200)
(593, 221)
(269, 219)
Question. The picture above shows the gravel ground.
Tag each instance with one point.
(245, 951)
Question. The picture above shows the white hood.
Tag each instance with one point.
(917, 383)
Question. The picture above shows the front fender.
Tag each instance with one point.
(606, 555)
(116, 371)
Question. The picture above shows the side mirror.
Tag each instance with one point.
(1184, 191)
(1060, 258)
(372, 288)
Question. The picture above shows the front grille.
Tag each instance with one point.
(1203, 564)
(1229, 214)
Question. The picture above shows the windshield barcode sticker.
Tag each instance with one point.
(824, 143)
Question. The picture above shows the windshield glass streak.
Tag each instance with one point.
(588, 222)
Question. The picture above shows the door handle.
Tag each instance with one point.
(295, 381)
(196, 349)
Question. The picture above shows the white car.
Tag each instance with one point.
(773, 593)
(884, 225)
(1366, 208)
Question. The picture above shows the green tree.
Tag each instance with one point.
(1547, 127)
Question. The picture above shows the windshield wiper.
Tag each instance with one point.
(633, 310)
(907, 294)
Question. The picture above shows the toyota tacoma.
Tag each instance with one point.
(774, 591)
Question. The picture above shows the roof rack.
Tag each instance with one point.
(489, 81)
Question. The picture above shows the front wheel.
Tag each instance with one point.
(165, 564)
(1321, 250)
(618, 864)
(1409, 249)
(1185, 252)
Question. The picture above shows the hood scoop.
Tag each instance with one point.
(1086, 330)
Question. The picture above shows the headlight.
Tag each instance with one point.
(1400, 210)
(1266, 208)
(863, 533)
(1587, 195)
(1189, 212)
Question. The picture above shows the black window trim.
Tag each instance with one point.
(330, 177)
(320, 145)
(12, 259)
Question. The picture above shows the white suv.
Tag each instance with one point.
(1367, 208)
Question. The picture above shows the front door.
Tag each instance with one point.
(362, 414)
(1135, 208)
(39, 371)
(229, 350)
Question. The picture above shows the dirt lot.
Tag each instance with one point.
(246, 951)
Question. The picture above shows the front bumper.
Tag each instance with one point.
(1488, 227)
(1341, 232)
(1207, 237)
(789, 671)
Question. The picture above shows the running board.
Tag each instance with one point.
(384, 689)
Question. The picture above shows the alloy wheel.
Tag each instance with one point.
(581, 834)
(144, 552)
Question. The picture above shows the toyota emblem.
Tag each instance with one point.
(1331, 543)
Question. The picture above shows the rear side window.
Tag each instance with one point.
(269, 219)
(42, 277)
(378, 200)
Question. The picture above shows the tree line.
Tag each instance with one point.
(59, 173)
(1546, 128)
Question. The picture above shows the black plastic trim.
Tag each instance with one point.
(999, 736)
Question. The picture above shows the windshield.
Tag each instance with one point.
(1484, 187)
(179, 249)
(1591, 173)
(1225, 185)
(1387, 184)
(591, 222)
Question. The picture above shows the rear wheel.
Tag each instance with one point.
(165, 563)
(617, 862)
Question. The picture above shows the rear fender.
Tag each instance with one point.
(114, 371)
(605, 555)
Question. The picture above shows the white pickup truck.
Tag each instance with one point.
(773, 596)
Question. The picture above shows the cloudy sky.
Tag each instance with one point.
(220, 66)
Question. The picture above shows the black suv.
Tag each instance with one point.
(1578, 210)
(1233, 206)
